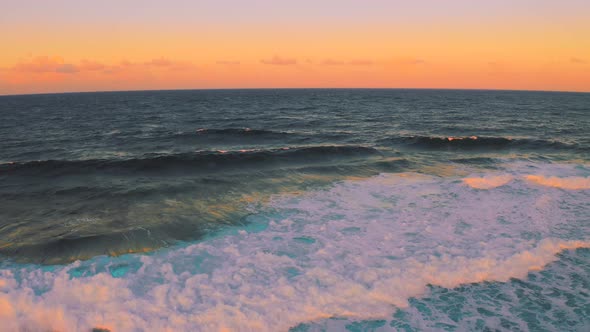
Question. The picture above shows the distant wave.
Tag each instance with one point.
(240, 132)
(209, 136)
(476, 161)
(254, 135)
(262, 133)
(203, 160)
(478, 143)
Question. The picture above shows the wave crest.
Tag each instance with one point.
(478, 143)
(239, 132)
(202, 160)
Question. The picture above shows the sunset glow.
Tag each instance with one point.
(58, 46)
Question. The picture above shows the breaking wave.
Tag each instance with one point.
(360, 250)
(199, 161)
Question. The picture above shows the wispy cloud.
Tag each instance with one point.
(90, 65)
(126, 63)
(577, 60)
(332, 62)
(160, 62)
(163, 62)
(417, 61)
(279, 61)
(67, 68)
(48, 64)
(45, 64)
(361, 62)
(356, 62)
(412, 61)
(228, 62)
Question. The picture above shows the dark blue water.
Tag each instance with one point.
(364, 182)
(125, 125)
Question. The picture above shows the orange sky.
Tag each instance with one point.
(63, 46)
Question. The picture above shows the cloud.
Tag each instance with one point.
(411, 61)
(127, 63)
(91, 65)
(405, 61)
(160, 62)
(577, 60)
(67, 68)
(49, 64)
(279, 61)
(357, 62)
(112, 70)
(45, 64)
(417, 61)
(228, 62)
(332, 62)
(361, 62)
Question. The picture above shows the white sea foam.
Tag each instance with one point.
(487, 182)
(572, 183)
(358, 249)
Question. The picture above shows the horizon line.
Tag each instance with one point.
(291, 88)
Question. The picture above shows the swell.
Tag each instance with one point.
(236, 135)
(197, 161)
(66, 248)
(477, 143)
(239, 132)
(254, 136)
(78, 217)
(137, 142)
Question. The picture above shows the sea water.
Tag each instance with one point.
(295, 210)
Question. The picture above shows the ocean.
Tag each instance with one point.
(295, 210)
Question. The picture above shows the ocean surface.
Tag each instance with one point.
(295, 210)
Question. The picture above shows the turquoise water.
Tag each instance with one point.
(555, 299)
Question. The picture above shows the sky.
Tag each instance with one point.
(67, 45)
